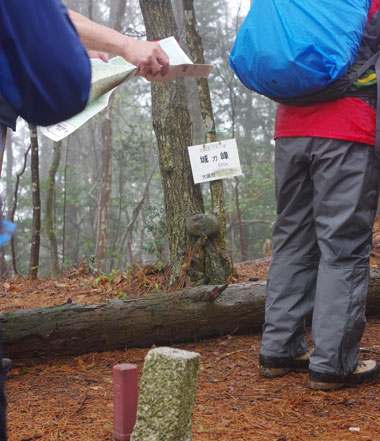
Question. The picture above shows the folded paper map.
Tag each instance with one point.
(107, 76)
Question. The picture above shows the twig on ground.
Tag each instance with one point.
(81, 404)
(369, 351)
(232, 353)
(31, 438)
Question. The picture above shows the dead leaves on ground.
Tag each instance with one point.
(71, 398)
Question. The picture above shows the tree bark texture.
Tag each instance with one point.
(171, 123)
(116, 21)
(9, 173)
(191, 86)
(187, 315)
(105, 192)
(120, 15)
(221, 265)
(238, 213)
(36, 200)
(13, 211)
(49, 220)
(3, 141)
(135, 214)
(65, 203)
(194, 43)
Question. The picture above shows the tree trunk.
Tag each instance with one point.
(187, 315)
(120, 15)
(3, 141)
(171, 123)
(13, 211)
(191, 86)
(238, 212)
(160, 319)
(9, 173)
(135, 214)
(90, 9)
(195, 45)
(65, 203)
(105, 192)
(116, 21)
(36, 199)
(50, 227)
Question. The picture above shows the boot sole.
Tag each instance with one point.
(317, 385)
(277, 372)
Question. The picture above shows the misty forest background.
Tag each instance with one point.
(118, 146)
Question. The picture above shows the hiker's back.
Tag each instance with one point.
(295, 48)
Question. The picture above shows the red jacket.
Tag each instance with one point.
(346, 118)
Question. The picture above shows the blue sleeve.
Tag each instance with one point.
(45, 73)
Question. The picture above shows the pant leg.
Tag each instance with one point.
(346, 189)
(2, 399)
(293, 269)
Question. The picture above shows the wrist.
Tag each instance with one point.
(126, 48)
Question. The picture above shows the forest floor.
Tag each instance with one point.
(70, 398)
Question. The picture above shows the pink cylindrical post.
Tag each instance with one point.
(125, 396)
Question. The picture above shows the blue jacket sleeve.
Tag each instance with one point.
(45, 73)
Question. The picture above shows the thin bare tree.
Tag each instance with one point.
(36, 201)
(49, 210)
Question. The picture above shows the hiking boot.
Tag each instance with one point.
(366, 372)
(7, 365)
(272, 367)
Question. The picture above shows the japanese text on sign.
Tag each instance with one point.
(215, 160)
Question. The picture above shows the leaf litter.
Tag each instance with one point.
(70, 398)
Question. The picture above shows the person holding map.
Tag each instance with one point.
(62, 95)
(148, 56)
(45, 74)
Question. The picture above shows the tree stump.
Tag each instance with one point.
(207, 264)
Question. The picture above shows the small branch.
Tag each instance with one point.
(212, 295)
(81, 404)
(368, 351)
(30, 438)
(232, 353)
(90, 192)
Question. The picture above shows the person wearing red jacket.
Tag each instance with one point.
(327, 187)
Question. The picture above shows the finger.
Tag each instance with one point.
(164, 62)
(93, 54)
(164, 70)
(155, 67)
(103, 56)
(144, 70)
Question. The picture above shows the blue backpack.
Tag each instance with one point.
(295, 48)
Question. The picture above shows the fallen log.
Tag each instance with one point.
(163, 319)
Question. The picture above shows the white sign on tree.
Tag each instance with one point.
(215, 160)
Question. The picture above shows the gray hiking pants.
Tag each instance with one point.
(327, 192)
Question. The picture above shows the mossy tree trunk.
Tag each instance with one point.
(171, 123)
(49, 219)
(194, 43)
(221, 264)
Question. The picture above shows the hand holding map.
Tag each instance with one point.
(107, 76)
